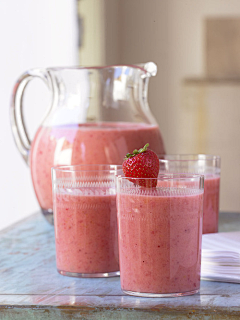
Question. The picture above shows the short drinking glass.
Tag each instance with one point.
(160, 233)
(85, 220)
(207, 165)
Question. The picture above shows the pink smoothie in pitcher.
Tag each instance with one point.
(86, 232)
(95, 143)
(160, 241)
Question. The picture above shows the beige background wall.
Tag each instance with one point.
(170, 33)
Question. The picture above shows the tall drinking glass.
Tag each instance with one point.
(160, 233)
(85, 220)
(209, 166)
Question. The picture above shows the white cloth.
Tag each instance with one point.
(221, 257)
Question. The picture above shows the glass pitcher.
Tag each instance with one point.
(97, 115)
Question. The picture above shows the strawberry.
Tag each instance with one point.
(142, 163)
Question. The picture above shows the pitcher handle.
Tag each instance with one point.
(19, 131)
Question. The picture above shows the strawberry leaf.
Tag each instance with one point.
(135, 152)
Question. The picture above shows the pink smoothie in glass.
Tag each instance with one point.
(86, 232)
(211, 203)
(160, 241)
(95, 143)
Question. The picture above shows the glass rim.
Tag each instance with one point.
(167, 176)
(76, 168)
(133, 66)
(189, 157)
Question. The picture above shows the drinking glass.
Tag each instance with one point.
(209, 166)
(160, 233)
(85, 220)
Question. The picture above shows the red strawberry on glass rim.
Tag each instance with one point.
(142, 163)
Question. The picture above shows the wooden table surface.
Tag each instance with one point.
(31, 288)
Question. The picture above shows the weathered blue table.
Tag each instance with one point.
(31, 288)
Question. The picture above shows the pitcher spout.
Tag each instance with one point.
(150, 68)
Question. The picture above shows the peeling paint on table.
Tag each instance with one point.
(31, 288)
